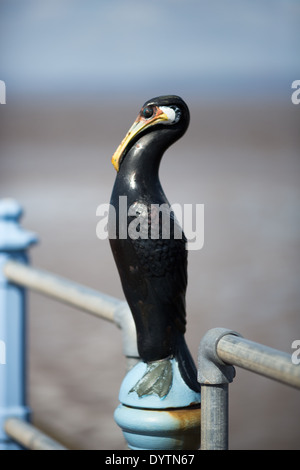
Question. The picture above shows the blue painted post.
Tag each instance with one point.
(14, 242)
(149, 422)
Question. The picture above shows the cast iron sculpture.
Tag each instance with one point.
(149, 247)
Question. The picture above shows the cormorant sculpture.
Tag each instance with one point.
(149, 246)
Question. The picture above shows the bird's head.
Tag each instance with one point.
(167, 116)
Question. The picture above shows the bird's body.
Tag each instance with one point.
(148, 245)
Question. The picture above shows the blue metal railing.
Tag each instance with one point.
(219, 351)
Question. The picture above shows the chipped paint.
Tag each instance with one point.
(146, 429)
(186, 418)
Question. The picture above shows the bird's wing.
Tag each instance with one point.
(163, 264)
(153, 273)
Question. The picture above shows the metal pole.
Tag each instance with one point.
(260, 359)
(14, 243)
(79, 296)
(63, 290)
(214, 376)
(29, 436)
(214, 417)
(219, 350)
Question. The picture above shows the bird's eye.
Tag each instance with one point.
(177, 113)
(147, 112)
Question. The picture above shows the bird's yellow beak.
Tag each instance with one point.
(139, 124)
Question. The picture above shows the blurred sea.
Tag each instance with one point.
(242, 162)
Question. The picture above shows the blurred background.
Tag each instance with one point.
(76, 75)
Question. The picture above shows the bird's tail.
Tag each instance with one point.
(186, 365)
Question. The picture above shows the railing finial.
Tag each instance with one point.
(12, 236)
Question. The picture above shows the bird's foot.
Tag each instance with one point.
(157, 385)
(157, 379)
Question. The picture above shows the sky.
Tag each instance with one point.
(117, 46)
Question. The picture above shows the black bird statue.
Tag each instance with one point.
(149, 246)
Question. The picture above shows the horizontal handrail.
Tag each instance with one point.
(64, 290)
(81, 297)
(29, 436)
(259, 358)
(221, 349)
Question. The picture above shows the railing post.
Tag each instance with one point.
(14, 242)
(214, 376)
(149, 422)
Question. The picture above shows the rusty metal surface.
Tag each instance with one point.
(160, 429)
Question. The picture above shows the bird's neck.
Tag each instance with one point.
(139, 171)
